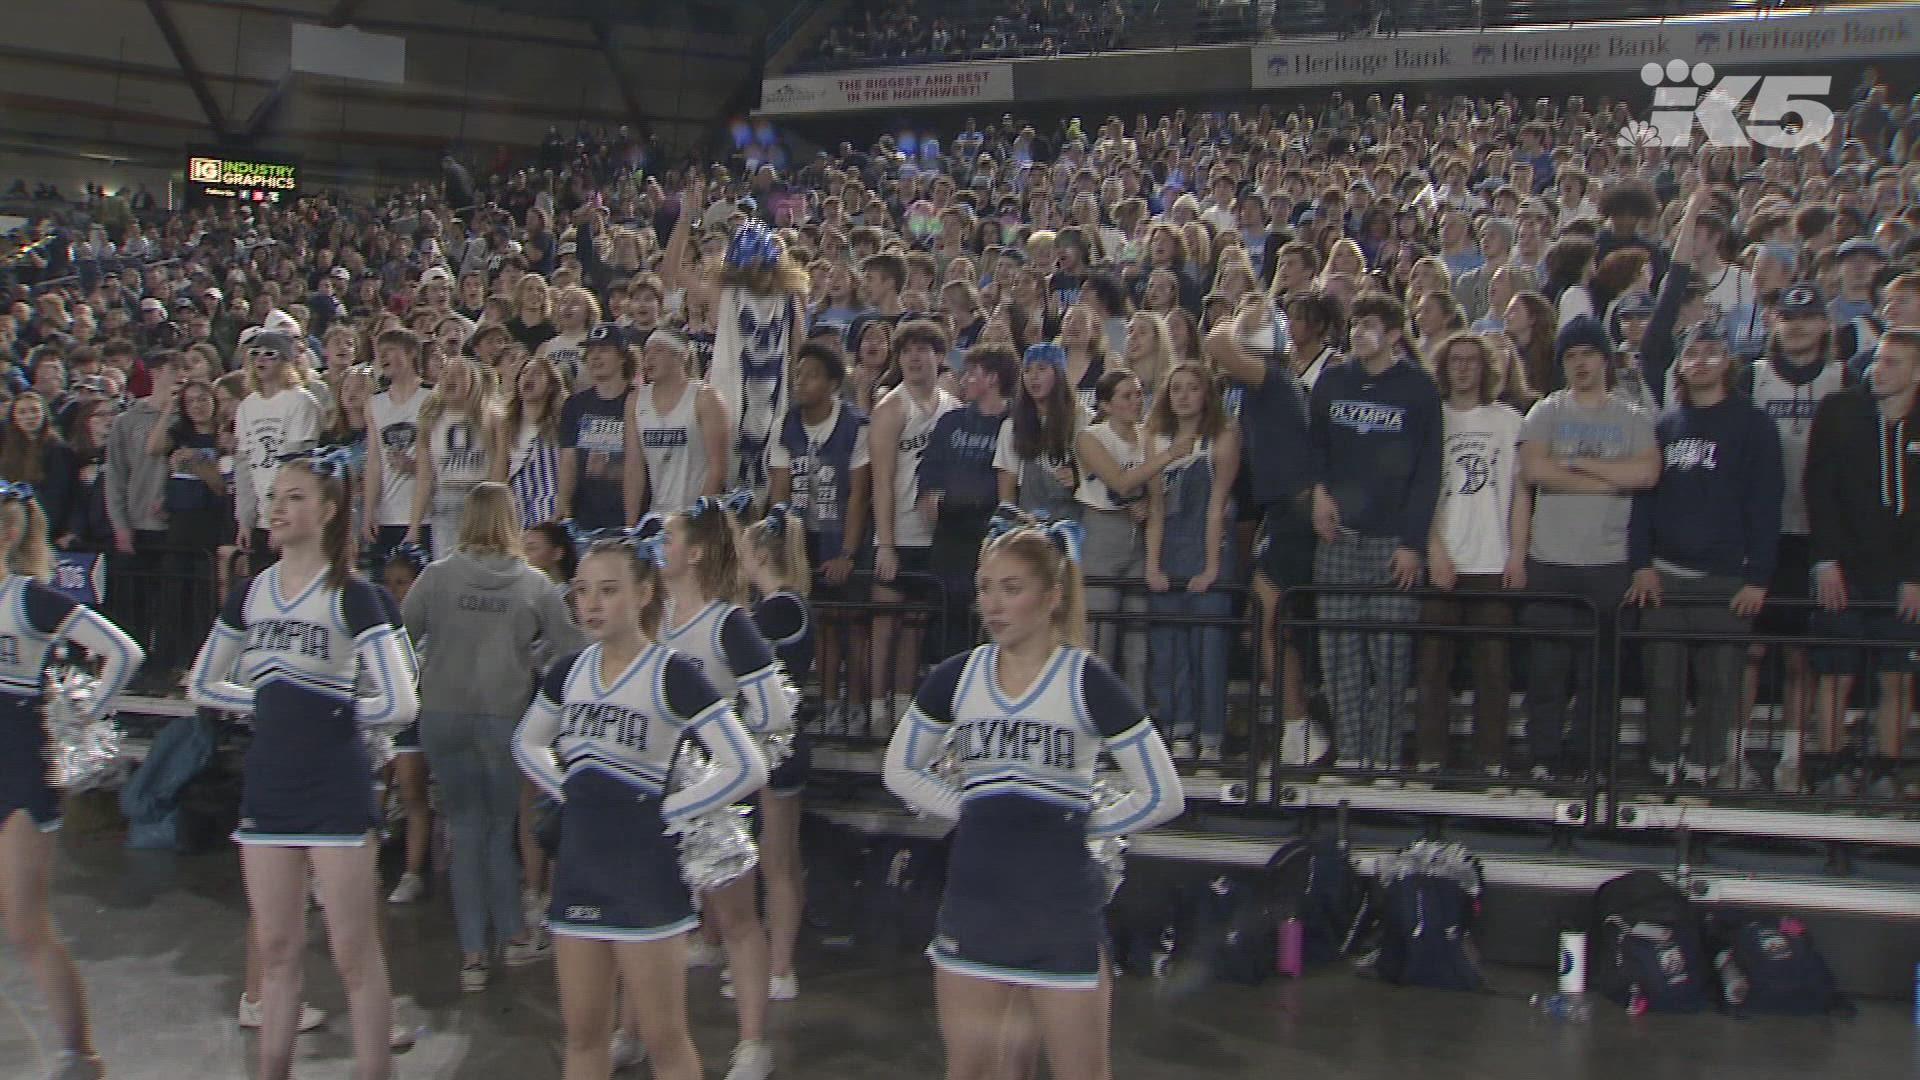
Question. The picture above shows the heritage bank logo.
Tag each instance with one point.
(1786, 111)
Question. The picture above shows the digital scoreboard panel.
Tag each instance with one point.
(212, 175)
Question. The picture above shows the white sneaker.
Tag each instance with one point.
(1302, 743)
(534, 905)
(1181, 751)
(536, 948)
(310, 1017)
(74, 1066)
(752, 1060)
(401, 1037)
(627, 1052)
(700, 954)
(779, 988)
(473, 978)
(409, 890)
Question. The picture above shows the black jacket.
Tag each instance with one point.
(1862, 485)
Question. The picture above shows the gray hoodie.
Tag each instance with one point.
(493, 620)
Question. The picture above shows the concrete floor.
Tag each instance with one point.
(158, 939)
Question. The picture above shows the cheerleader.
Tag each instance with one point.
(33, 619)
(700, 566)
(615, 713)
(773, 557)
(1020, 929)
(289, 650)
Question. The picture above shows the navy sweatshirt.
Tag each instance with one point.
(1716, 508)
(1377, 443)
(958, 462)
(1273, 421)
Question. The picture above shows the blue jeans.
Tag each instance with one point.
(480, 797)
(1189, 665)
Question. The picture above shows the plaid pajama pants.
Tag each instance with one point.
(1367, 672)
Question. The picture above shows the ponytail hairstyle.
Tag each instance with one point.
(642, 557)
(31, 556)
(780, 540)
(708, 527)
(1052, 550)
(329, 468)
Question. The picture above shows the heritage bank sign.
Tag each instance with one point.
(1784, 37)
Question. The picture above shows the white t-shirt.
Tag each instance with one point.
(1480, 468)
(910, 530)
(265, 428)
(566, 351)
(396, 436)
(1093, 490)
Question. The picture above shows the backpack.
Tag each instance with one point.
(1234, 928)
(1646, 946)
(1312, 879)
(1770, 965)
(1429, 900)
(901, 882)
(1147, 919)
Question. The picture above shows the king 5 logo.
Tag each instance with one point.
(1684, 96)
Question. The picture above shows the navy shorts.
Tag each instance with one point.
(1283, 551)
(1902, 655)
(1023, 899)
(617, 874)
(1792, 580)
(407, 739)
(790, 776)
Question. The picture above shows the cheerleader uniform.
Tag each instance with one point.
(731, 652)
(33, 619)
(617, 876)
(787, 624)
(1023, 898)
(293, 664)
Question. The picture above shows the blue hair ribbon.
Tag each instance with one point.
(15, 492)
(777, 517)
(335, 461)
(1065, 534)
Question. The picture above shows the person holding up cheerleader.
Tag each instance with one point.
(1024, 718)
(700, 566)
(615, 714)
(33, 619)
(288, 650)
(773, 556)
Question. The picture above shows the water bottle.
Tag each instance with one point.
(1573, 962)
(1572, 1008)
(1292, 938)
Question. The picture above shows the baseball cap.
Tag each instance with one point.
(1635, 305)
(609, 333)
(272, 341)
(1800, 300)
(152, 303)
(1582, 330)
(1860, 245)
(436, 275)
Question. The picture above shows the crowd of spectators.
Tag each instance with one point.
(1462, 344)
(910, 32)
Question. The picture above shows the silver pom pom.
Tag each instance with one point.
(716, 847)
(1109, 852)
(87, 753)
(778, 746)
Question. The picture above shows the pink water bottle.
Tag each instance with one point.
(1290, 947)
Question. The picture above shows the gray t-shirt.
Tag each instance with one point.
(1584, 530)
